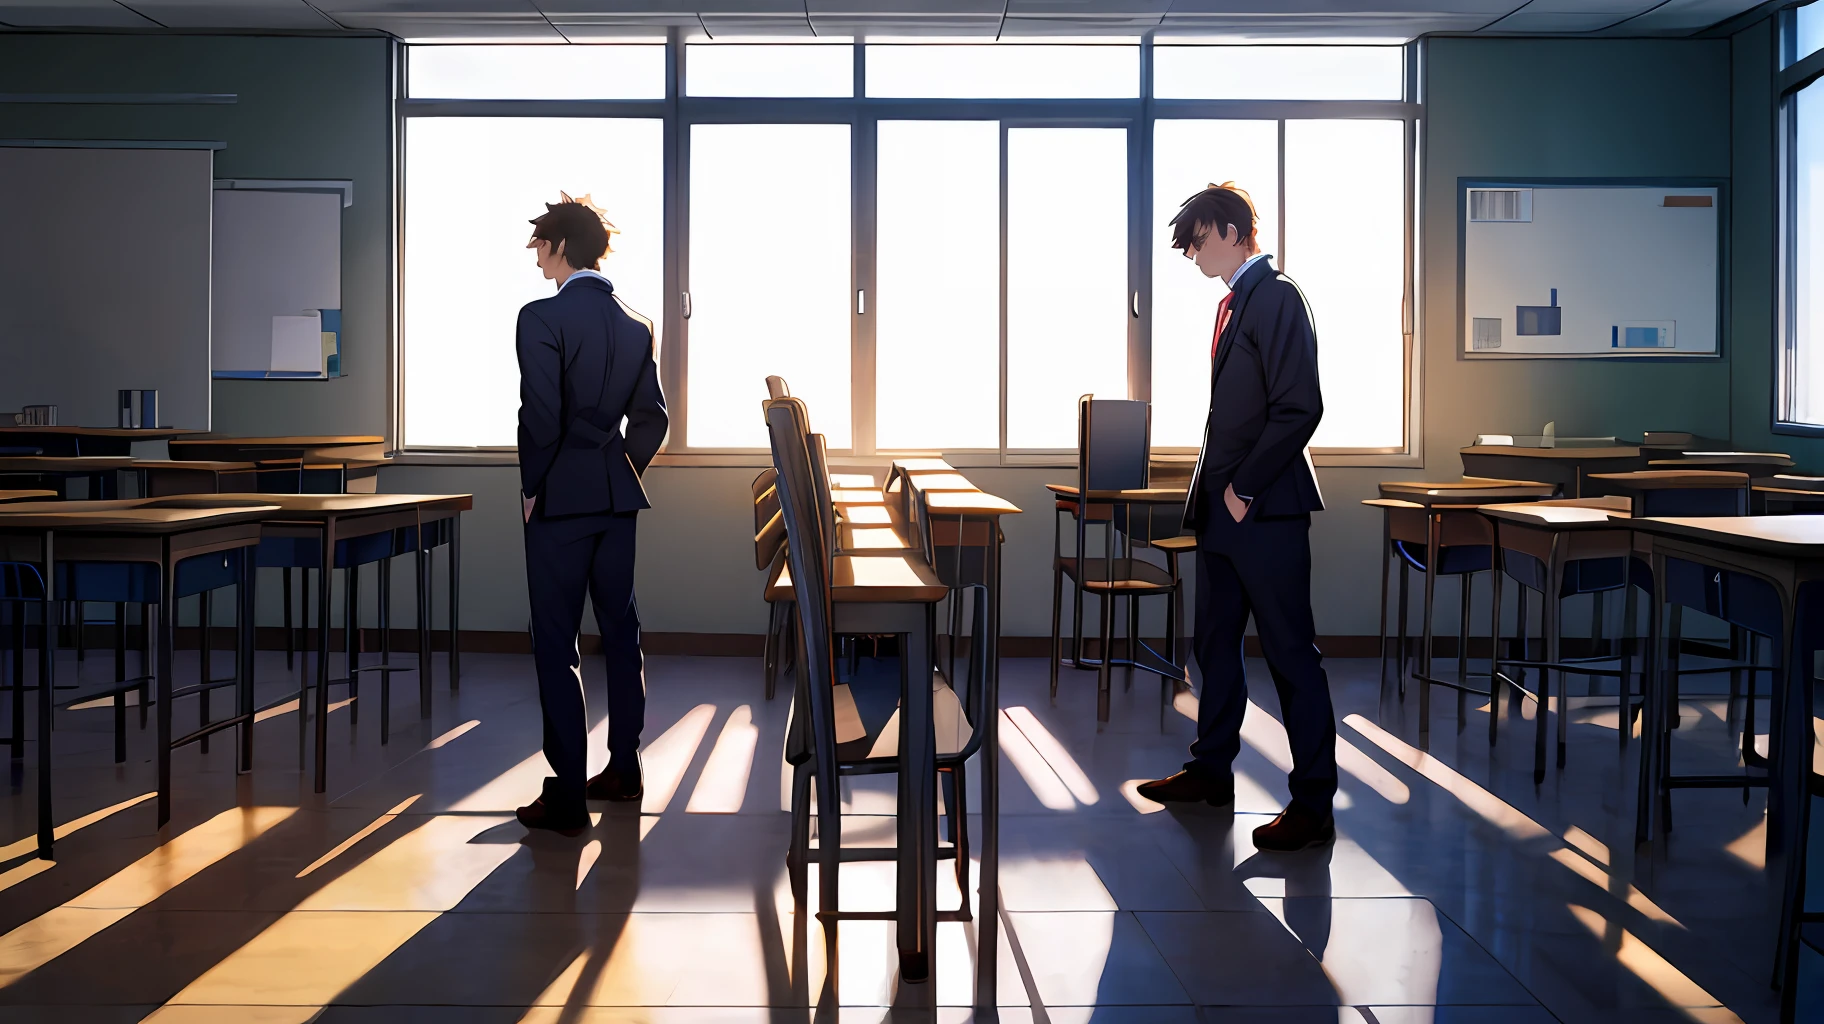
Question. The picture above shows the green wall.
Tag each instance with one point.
(307, 108)
(1495, 107)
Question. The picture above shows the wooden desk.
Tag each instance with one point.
(321, 447)
(7, 497)
(333, 517)
(40, 533)
(1780, 494)
(101, 471)
(1566, 467)
(1787, 553)
(923, 466)
(1736, 462)
(165, 477)
(1467, 491)
(77, 441)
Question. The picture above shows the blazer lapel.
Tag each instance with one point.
(1238, 302)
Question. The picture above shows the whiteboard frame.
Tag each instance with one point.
(1721, 185)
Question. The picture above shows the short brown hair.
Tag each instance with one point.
(578, 226)
(1219, 209)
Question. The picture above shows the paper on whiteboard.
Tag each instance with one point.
(297, 343)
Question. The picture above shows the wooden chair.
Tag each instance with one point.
(812, 747)
(1114, 439)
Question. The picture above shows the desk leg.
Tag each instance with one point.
(421, 591)
(1433, 526)
(244, 654)
(917, 804)
(167, 637)
(327, 560)
(455, 602)
(1497, 687)
(47, 692)
(19, 610)
(988, 904)
(1652, 714)
(1789, 794)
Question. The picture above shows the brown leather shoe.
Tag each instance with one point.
(1190, 787)
(1295, 829)
(538, 814)
(612, 785)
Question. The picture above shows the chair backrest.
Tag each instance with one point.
(820, 477)
(808, 558)
(1114, 440)
(776, 388)
(769, 526)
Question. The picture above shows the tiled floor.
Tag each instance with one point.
(1456, 892)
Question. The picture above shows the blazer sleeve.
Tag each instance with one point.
(1288, 352)
(646, 417)
(541, 400)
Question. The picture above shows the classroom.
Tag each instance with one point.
(1132, 511)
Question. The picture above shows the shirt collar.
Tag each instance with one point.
(574, 274)
(1243, 269)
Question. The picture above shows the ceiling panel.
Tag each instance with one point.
(1549, 16)
(70, 14)
(1682, 17)
(258, 14)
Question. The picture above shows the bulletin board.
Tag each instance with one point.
(1590, 268)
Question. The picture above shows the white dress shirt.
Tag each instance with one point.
(574, 274)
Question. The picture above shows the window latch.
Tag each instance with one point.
(686, 305)
(1136, 307)
(861, 302)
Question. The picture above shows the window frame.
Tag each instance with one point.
(863, 114)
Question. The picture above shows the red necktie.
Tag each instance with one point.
(1222, 321)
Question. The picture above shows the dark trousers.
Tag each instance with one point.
(566, 557)
(1262, 567)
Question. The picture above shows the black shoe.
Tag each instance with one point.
(613, 785)
(538, 814)
(1190, 787)
(1295, 829)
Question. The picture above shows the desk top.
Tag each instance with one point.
(1556, 515)
(923, 466)
(200, 465)
(133, 516)
(874, 578)
(303, 441)
(866, 515)
(951, 481)
(1605, 451)
(856, 537)
(1135, 496)
(141, 433)
(854, 480)
(1469, 490)
(27, 495)
(1674, 479)
(62, 464)
(856, 496)
(1785, 536)
(968, 503)
(319, 506)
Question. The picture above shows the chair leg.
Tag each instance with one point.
(957, 802)
(383, 619)
(1468, 582)
(204, 608)
(1380, 635)
(1057, 598)
(290, 646)
(1133, 638)
(1548, 621)
(769, 653)
(422, 607)
(798, 851)
(1104, 668)
(1405, 582)
(77, 615)
(351, 643)
(1624, 643)
(1495, 684)
(120, 677)
(17, 608)
(1749, 754)
(145, 663)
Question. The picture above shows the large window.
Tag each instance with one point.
(471, 185)
(945, 262)
(1800, 393)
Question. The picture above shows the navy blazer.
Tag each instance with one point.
(585, 366)
(1264, 404)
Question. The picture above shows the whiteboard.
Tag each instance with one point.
(278, 256)
(1589, 270)
(104, 280)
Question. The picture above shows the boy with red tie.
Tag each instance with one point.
(1250, 503)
